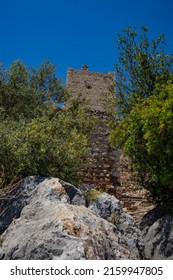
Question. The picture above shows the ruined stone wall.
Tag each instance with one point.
(101, 166)
(136, 200)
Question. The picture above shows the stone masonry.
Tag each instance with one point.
(105, 167)
(101, 167)
(93, 86)
(102, 164)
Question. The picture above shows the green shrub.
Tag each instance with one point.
(37, 137)
(146, 136)
(93, 194)
(144, 125)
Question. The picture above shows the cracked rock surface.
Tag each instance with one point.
(157, 234)
(46, 218)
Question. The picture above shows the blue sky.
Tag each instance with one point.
(70, 33)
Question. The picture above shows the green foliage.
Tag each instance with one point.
(93, 194)
(46, 147)
(142, 64)
(146, 136)
(144, 130)
(37, 137)
(19, 85)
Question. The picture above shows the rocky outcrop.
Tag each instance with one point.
(157, 234)
(46, 218)
(110, 208)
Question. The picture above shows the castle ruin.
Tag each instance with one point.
(104, 166)
(101, 168)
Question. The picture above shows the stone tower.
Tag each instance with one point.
(101, 168)
(91, 85)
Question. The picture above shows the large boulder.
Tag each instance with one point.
(110, 208)
(46, 218)
(13, 201)
(157, 234)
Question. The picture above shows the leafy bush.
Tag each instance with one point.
(142, 64)
(144, 126)
(93, 194)
(146, 136)
(37, 137)
(44, 146)
(27, 92)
